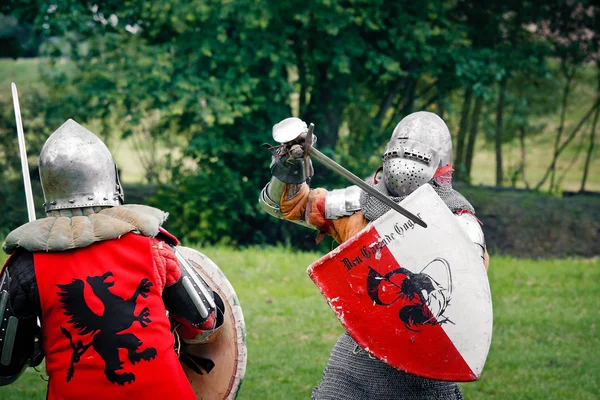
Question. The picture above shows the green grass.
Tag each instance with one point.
(23, 72)
(545, 343)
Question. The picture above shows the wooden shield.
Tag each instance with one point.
(228, 349)
(416, 298)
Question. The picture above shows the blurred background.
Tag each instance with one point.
(184, 93)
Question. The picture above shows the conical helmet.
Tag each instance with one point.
(420, 144)
(77, 170)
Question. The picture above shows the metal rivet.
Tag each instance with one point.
(72, 201)
(115, 198)
(90, 197)
(53, 202)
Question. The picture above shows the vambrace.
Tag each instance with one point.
(270, 198)
(19, 344)
(342, 202)
(191, 301)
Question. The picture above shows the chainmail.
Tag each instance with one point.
(352, 374)
(373, 208)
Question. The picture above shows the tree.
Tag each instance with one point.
(590, 149)
(571, 29)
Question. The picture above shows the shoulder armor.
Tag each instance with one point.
(342, 202)
(18, 345)
(470, 225)
(66, 233)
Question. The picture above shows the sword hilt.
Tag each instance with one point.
(285, 134)
(308, 143)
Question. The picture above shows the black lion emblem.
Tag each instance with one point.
(119, 314)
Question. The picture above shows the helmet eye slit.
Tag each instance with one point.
(417, 155)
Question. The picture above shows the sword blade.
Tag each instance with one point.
(23, 153)
(337, 168)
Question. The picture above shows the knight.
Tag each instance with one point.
(106, 281)
(418, 153)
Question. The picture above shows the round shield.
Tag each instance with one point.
(228, 349)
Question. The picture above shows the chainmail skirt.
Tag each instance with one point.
(352, 374)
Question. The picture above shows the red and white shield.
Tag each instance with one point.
(415, 298)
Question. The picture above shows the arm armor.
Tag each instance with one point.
(342, 202)
(192, 300)
(472, 228)
(282, 172)
(288, 170)
(19, 347)
(270, 196)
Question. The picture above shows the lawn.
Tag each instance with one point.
(545, 343)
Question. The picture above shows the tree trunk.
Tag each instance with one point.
(569, 74)
(463, 128)
(410, 97)
(441, 99)
(499, 115)
(473, 136)
(325, 108)
(303, 84)
(566, 143)
(590, 150)
(523, 155)
(389, 100)
(403, 106)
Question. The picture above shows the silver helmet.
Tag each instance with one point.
(420, 144)
(77, 170)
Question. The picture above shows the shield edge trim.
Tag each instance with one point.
(231, 298)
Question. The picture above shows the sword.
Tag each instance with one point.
(23, 153)
(290, 128)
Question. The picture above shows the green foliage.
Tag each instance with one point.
(545, 326)
(16, 39)
(206, 80)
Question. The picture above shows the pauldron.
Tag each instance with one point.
(65, 233)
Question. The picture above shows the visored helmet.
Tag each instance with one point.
(77, 170)
(420, 144)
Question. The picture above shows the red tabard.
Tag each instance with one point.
(105, 330)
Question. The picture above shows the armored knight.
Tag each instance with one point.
(419, 152)
(106, 281)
